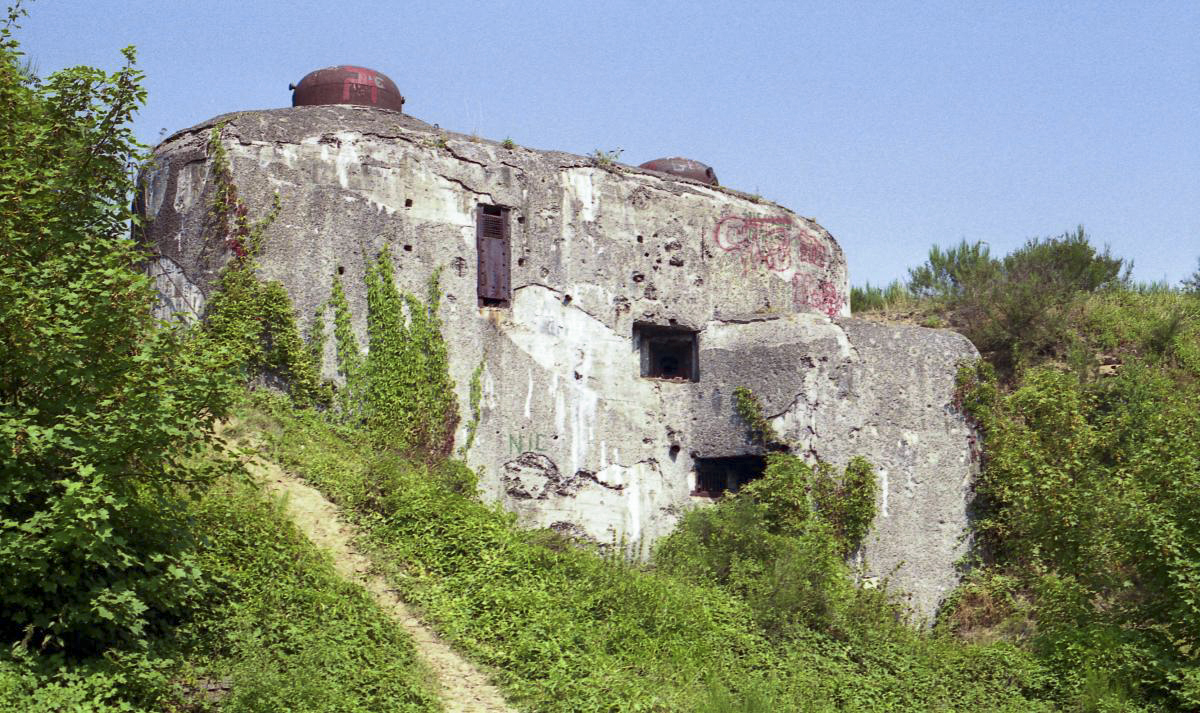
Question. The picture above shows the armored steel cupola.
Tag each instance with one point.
(684, 168)
(347, 84)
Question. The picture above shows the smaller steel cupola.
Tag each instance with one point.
(684, 168)
(347, 84)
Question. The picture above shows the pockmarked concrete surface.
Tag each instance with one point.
(603, 260)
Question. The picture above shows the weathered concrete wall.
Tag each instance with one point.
(571, 436)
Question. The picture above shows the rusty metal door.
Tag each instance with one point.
(492, 244)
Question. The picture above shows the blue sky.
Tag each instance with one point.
(896, 126)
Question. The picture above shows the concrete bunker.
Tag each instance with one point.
(578, 426)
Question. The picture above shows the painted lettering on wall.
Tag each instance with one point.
(527, 443)
(779, 245)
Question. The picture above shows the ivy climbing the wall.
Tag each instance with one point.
(402, 388)
(249, 320)
(476, 396)
(351, 398)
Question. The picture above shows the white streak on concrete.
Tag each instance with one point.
(529, 395)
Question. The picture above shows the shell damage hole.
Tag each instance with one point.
(341, 270)
(408, 202)
(407, 248)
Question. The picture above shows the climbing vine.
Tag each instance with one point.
(402, 389)
(750, 410)
(250, 320)
(794, 492)
(476, 398)
(351, 397)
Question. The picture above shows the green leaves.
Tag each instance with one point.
(410, 404)
(1091, 497)
(100, 408)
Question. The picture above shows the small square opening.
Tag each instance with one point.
(667, 352)
(716, 476)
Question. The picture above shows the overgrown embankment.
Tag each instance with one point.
(569, 629)
(1088, 518)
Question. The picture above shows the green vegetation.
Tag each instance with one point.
(567, 628)
(278, 630)
(871, 298)
(137, 573)
(1089, 520)
(140, 570)
(1089, 401)
(249, 321)
(606, 159)
(100, 409)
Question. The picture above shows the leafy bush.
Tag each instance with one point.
(1089, 495)
(101, 409)
(780, 543)
(278, 630)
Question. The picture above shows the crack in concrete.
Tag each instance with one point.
(465, 186)
(572, 304)
(464, 159)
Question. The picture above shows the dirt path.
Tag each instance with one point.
(463, 688)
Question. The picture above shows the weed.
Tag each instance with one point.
(606, 159)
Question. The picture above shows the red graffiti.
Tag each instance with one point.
(771, 243)
(759, 241)
(811, 292)
(365, 78)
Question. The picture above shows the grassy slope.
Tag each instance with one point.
(284, 632)
(570, 630)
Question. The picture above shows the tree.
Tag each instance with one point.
(1192, 284)
(102, 408)
(1015, 308)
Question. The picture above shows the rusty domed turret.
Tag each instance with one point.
(683, 167)
(347, 84)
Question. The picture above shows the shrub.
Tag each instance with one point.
(1018, 309)
(780, 543)
(101, 408)
(954, 274)
(1089, 492)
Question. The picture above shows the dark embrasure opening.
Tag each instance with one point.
(715, 476)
